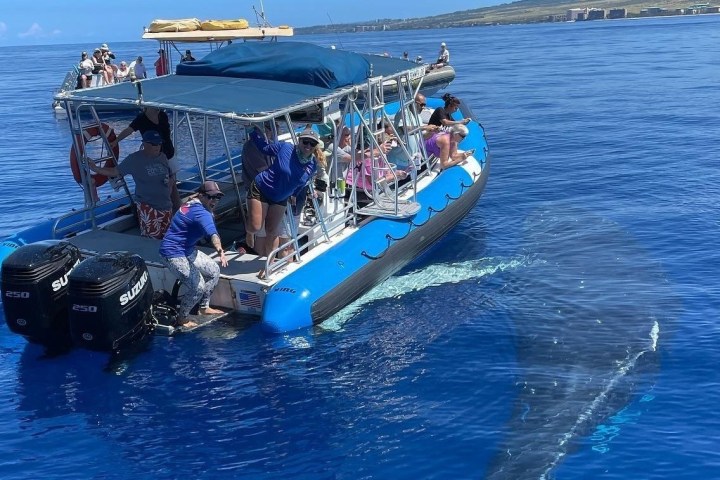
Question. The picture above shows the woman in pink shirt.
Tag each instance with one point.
(362, 176)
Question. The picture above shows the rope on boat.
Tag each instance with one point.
(390, 237)
(372, 257)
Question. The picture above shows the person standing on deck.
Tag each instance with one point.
(86, 70)
(253, 162)
(161, 66)
(137, 69)
(282, 181)
(154, 177)
(195, 269)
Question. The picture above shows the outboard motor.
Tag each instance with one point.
(34, 291)
(110, 299)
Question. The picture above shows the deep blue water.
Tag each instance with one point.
(567, 328)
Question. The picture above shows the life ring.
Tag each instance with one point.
(88, 135)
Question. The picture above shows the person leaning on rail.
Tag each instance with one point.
(442, 116)
(282, 181)
(444, 146)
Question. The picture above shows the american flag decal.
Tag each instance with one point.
(249, 299)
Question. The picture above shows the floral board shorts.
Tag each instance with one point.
(153, 223)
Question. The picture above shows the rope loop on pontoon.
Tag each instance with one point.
(372, 257)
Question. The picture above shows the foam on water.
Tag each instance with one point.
(430, 276)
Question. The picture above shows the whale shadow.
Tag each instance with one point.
(589, 319)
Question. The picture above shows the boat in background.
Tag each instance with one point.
(338, 248)
(172, 35)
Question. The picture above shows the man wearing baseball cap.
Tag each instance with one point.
(154, 177)
(195, 269)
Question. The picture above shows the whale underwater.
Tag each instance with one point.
(589, 319)
(589, 308)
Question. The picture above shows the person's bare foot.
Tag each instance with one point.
(188, 324)
(210, 311)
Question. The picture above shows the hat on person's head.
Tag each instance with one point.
(210, 188)
(123, 62)
(442, 44)
(97, 50)
(104, 46)
(152, 137)
(139, 59)
(187, 52)
(309, 133)
(83, 54)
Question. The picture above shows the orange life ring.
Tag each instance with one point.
(87, 135)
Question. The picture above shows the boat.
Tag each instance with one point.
(172, 36)
(100, 274)
(434, 80)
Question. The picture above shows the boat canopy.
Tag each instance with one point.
(293, 62)
(251, 80)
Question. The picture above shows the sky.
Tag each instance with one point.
(47, 22)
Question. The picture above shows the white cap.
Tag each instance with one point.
(442, 44)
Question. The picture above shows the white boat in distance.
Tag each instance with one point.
(338, 249)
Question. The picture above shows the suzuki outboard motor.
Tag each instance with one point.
(34, 291)
(110, 299)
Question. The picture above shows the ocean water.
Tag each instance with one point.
(567, 328)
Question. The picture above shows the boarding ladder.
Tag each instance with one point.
(105, 152)
(385, 192)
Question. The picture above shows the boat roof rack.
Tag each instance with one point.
(204, 36)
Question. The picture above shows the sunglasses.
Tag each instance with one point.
(310, 143)
(421, 105)
(213, 197)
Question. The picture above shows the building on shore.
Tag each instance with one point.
(617, 13)
(574, 14)
(595, 14)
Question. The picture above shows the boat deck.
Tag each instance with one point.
(96, 242)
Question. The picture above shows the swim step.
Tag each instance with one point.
(385, 207)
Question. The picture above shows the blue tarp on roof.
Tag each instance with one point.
(293, 62)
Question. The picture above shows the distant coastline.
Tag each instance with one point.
(524, 11)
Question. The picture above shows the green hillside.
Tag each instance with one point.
(524, 11)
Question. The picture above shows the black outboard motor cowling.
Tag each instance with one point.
(34, 291)
(110, 299)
